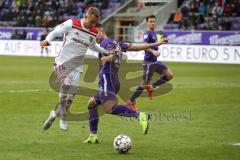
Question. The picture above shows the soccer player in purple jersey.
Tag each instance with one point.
(150, 63)
(109, 85)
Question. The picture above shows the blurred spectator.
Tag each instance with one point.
(178, 17)
(193, 8)
(170, 19)
(202, 9)
(212, 23)
(185, 10)
(22, 21)
(48, 13)
(105, 4)
(22, 34)
(19, 34)
(216, 10)
(207, 15)
(14, 34)
(185, 23)
(228, 10)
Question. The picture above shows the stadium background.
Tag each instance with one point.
(206, 32)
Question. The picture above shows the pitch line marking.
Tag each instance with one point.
(23, 91)
(236, 144)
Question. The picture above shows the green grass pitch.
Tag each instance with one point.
(210, 91)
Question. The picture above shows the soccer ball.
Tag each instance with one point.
(122, 143)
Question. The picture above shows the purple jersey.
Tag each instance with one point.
(151, 37)
(108, 82)
(114, 65)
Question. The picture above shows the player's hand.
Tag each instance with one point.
(105, 59)
(113, 51)
(162, 41)
(45, 43)
(156, 53)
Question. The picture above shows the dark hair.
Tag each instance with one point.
(150, 16)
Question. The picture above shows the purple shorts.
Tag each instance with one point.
(150, 67)
(109, 86)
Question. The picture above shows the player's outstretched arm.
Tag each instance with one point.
(96, 47)
(154, 52)
(145, 46)
(58, 31)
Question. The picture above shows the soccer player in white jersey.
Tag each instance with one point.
(79, 35)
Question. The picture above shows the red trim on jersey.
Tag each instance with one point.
(79, 28)
(81, 21)
(77, 22)
(94, 30)
(78, 25)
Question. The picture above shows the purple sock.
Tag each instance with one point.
(136, 94)
(93, 119)
(124, 111)
(160, 81)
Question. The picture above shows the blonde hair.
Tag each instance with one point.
(93, 10)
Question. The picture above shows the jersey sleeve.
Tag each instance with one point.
(124, 46)
(60, 30)
(146, 37)
(96, 47)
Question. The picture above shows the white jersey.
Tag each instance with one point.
(77, 39)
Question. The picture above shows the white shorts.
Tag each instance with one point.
(74, 77)
(67, 76)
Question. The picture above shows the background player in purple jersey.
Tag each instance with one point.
(150, 63)
(109, 85)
